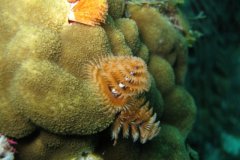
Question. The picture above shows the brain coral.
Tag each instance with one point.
(66, 88)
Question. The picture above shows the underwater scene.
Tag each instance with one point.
(120, 80)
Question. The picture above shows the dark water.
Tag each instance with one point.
(216, 58)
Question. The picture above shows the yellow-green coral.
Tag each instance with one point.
(52, 14)
(116, 39)
(179, 110)
(156, 31)
(181, 62)
(155, 98)
(47, 146)
(29, 42)
(161, 37)
(130, 31)
(32, 41)
(57, 101)
(80, 45)
(143, 52)
(12, 123)
(116, 8)
(162, 73)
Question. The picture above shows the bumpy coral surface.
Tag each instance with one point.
(67, 88)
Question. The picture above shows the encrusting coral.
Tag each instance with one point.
(76, 54)
(130, 31)
(56, 101)
(45, 145)
(143, 52)
(179, 109)
(162, 72)
(67, 87)
(12, 122)
(116, 38)
(116, 8)
(161, 37)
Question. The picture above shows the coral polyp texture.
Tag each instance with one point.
(82, 88)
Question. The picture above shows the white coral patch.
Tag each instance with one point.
(5, 154)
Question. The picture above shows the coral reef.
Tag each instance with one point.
(67, 88)
(45, 145)
(161, 37)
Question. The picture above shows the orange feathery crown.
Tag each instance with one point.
(138, 121)
(89, 12)
(120, 78)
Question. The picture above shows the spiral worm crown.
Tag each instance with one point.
(120, 79)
